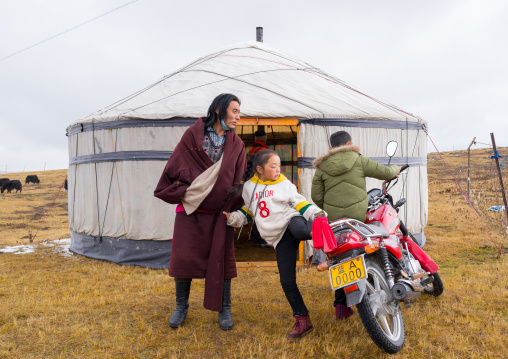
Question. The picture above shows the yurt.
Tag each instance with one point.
(117, 154)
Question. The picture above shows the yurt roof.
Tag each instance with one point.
(269, 83)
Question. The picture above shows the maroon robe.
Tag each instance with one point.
(202, 242)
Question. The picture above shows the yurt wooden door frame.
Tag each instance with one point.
(246, 128)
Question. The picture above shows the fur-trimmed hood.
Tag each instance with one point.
(333, 151)
(334, 164)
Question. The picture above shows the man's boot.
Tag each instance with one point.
(182, 288)
(225, 317)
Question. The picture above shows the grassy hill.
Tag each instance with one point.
(56, 306)
(24, 212)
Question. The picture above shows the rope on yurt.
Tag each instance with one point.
(317, 72)
(113, 167)
(226, 78)
(107, 201)
(183, 69)
(307, 68)
(96, 184)
(419, 175)
(110, 182)
(404, 178)
(75, 178)
(118, 185)
(412, 155)
(499, 252)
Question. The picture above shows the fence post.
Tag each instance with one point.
(468, 162)
(499, 173)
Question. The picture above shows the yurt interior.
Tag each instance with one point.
(282, 137)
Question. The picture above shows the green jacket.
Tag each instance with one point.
(339, 186)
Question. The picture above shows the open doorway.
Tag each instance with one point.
(282, 137)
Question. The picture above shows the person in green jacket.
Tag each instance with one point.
(339, 188)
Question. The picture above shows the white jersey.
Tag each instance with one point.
(271, 204)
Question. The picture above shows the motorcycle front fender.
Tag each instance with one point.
(425, 261)
(356, 296)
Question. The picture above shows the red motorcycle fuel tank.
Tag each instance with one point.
(389, 218)
(387, 215)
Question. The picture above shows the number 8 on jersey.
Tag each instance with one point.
(263, 210)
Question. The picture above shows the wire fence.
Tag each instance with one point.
(484, 189)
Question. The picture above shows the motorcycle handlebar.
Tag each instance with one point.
(399, 203)
(402, 168)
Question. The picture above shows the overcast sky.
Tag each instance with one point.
(444, 61)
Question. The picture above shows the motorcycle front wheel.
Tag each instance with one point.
(436, 287)
(381, 317)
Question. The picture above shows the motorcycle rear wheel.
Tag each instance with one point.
(381, 317)
(435, 288)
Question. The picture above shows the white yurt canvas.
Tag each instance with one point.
(116, 155)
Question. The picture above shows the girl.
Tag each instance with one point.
(281, 216)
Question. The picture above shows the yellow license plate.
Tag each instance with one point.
(346, 273)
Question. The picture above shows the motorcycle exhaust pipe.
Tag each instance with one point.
(403, 291)
(400, 291)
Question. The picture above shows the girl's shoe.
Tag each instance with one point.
(303, 325)
(343, 312)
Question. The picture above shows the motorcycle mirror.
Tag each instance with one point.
(391, 147)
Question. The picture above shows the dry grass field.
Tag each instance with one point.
(55, 306)
(22, 212)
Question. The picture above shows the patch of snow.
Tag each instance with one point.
(61, 246)
(28, 248)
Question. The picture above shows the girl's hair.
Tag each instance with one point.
(258, 159)
(221, 102)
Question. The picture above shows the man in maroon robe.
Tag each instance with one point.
(206, 163)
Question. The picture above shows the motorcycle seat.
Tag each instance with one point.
(377, 227)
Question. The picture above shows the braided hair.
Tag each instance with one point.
(255, 160)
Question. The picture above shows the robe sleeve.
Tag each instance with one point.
(175, 179)
(234, 204)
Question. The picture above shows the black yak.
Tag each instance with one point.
(32, 179)
(10, 185)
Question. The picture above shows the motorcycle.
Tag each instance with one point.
(376, 266)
